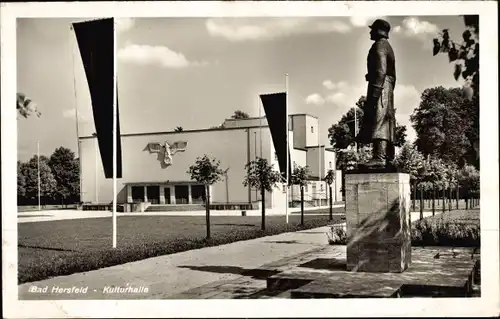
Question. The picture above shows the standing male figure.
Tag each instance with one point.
(379, 121)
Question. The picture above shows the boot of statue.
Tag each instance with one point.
(380, 156)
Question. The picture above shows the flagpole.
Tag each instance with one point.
(96, 164)
(260, 127)
(38, 171)
(355, 128)
(114, 133)
(76, 115)
(287, 152)
(319, 168)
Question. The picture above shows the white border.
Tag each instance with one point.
(487, 305)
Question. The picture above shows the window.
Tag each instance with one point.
(321, 187)
(312, 129)
(306, 188)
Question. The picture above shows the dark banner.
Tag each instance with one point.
(96, 44)
(275, 109)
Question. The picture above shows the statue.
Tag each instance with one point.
(379, 121)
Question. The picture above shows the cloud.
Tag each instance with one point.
(343, 96)
(315, 99)
(124, 24)
(245, 29)
(364, 20)
(150, 54)
(71, 113)
(406, 99)
(413, 27)
(332, 86)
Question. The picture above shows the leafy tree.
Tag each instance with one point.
(468, 177)
(66, 170)
(206, 171)
(347, 158)
(21, 181)
(48, 183)
(342, 135)
(445, 125)
(25, 106)
(239, 115)
(464, 54)
(261, 175)
(410, 160)
(179, 129)
(300, 177)
(329, 179)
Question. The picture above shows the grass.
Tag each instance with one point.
(48, 249)
(459, 228)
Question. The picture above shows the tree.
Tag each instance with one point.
(342, 135)
(179, 129)
(47, 181)
(206, 171)
(465, 55)
(66, 170)
(239, 115)
(446, 126)
(329, 179)
(437, 176)
(25, 106)
(262, 175)
(300, 177)
(468, 177)
(411, 161)
(21, 181)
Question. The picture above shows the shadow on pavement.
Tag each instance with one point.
(261, 274)
(326, 263)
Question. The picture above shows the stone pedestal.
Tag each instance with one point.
(378, 221)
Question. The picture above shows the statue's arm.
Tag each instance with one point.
(379, 71)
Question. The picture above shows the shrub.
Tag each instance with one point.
(437, 231)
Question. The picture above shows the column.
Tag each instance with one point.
(162, 194)
(190, 196)
(378, 221)
(172, 194)
(129, 194)
(145, 194)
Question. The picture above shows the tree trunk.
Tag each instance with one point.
(331, 204)
(414, 195)
(433, 200)
(466, 202)
(263, 222)
(444, 201)
(458, 195)
(449, 199)
(421, 203)
(302, 205)
(207, 208)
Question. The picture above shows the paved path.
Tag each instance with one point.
(171, 275)
(51, 215)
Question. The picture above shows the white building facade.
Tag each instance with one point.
(158, 175)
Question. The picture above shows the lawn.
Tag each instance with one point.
(63, 247)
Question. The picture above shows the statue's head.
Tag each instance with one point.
(379, 29)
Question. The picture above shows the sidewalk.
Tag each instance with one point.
(171, 275)
(51, 215)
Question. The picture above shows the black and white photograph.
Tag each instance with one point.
(174, 154)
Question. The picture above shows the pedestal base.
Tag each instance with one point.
(378, 222)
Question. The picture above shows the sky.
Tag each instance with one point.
(195, 72)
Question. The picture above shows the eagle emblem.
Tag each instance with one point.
(167, 150)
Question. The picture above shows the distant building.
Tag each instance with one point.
(155, 165)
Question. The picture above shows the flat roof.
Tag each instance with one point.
(185, 131)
